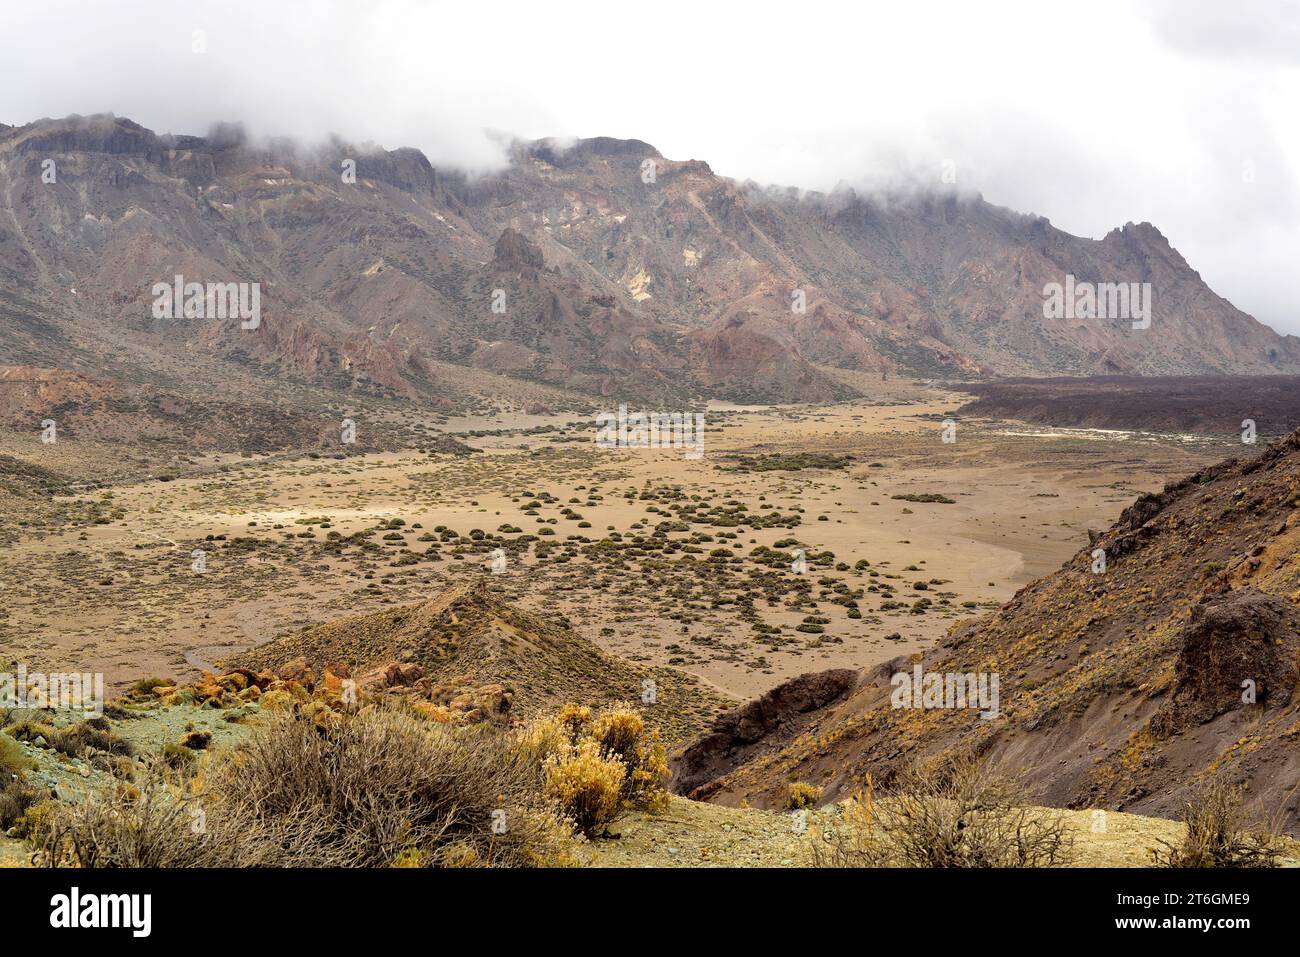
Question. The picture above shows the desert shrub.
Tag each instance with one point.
(618, 731)
(379, 789)
(954, 815)
(575, 750)
(29, 730)
(542, 737)
(177, 757)
(621, 733)
(382, 783)
(75, 739)
(13, 762)
(120, 825)
(647, 774)
(1219, 833)
(114, 764)
(587, 784)
(575, 718)
(116, 711)
(37, 811)
(144, 687)
(196, 740)
(16, 796)
(802, 795)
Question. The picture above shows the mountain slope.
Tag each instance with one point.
(572, 267)
(466, 637)
(1118, 689)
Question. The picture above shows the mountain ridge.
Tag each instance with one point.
(649, 278)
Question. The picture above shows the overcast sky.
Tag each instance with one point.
(1181, 112)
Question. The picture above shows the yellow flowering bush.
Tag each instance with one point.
(587, 784)
(581, 754)
(802, 796)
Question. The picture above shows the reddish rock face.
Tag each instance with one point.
(402, 674)
(297, 670)
(28, 393)
(515, 252)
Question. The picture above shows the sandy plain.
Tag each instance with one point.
(111, 584)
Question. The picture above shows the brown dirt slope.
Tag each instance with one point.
(759, 725)
(1119, 689)
(86, 407)
(467, 635)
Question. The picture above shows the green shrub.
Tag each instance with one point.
(76, 739)
(13, 761)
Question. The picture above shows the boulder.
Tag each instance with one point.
(403, 675)
(297, 670)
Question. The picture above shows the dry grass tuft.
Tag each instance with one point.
(956, 815)
(800, 796)
(379, 789)
(1219, 833)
